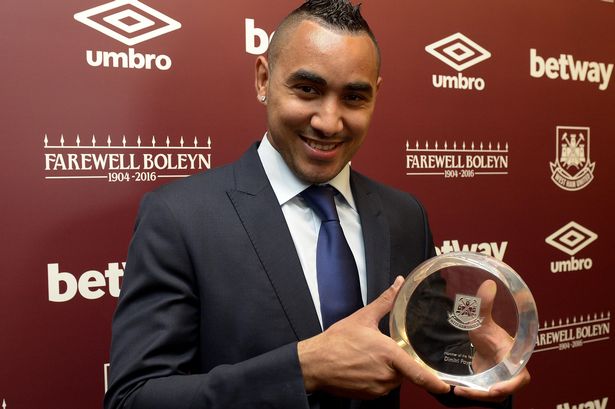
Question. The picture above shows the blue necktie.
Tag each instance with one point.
(336, 270)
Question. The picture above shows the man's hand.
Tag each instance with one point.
(491, 343)
(352, 358)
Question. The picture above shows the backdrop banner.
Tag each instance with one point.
(496, 115)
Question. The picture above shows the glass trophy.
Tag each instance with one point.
(467, 317)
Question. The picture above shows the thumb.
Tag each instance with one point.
(486, 292)
(373, 312)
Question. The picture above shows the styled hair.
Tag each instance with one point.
(338, 15)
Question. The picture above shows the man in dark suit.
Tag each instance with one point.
(221, 305)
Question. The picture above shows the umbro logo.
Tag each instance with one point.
(460, 53)
(571, 238)
(128, 21)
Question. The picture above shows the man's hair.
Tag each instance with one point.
(338, 15)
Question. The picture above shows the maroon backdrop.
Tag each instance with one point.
(497, 115)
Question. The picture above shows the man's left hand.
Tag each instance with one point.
(491, 343)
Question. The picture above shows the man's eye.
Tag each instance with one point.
(355, 98)
(307, 89)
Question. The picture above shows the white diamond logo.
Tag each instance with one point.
(117, 21)
(458, 51)
(571, 238)
(131, 17)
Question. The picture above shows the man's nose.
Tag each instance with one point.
(328, 118)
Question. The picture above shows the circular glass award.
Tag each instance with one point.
(467, 317)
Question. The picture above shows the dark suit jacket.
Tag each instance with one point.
(214, 299)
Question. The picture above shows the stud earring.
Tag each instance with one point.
(263, 98)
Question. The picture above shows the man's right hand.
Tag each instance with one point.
(352, 358)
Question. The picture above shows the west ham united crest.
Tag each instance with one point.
(465, 315)
(572, 169)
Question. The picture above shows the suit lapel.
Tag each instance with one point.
(376, 236)
(263, 220)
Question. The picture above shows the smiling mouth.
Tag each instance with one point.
(320, 146)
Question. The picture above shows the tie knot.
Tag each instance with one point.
(321, 200)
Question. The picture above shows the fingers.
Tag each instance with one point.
(499, 391)
(491, 340)
(486, 292)
(373, 312)
(513, 385)
(418, 374)
(400, 360)
(367, 363)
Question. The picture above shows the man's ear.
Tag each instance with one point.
(378, 83)
(261, 78)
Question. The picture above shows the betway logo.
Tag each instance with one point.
(591, 404)
(257, 39)
(106, 375)
(567, 68)
(490, 249)
(64, 286)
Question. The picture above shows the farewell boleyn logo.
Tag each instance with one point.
(574, 332)
(124, 158)
(456, 159)
(126, 20)
(572, 169)
(460, 53)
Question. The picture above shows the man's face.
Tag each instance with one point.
(320, 98)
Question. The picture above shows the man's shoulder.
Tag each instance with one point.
(203, 192)
(389, 196)
(212, 182)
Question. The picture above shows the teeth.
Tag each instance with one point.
(321, 147)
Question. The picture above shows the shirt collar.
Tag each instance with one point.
(286, 185)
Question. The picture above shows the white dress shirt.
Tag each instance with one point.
(304, 224)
